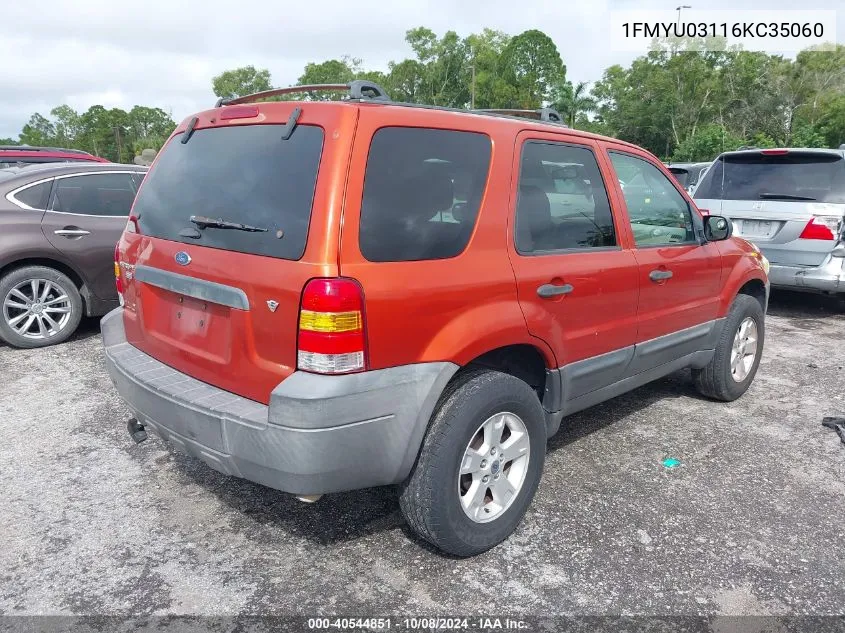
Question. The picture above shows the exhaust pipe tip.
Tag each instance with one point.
(309, 498)
(136, 430)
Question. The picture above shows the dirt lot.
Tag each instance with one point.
(752, 522)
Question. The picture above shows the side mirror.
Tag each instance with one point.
(717, 228)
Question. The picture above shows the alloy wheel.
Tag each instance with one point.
(37, 308)
(493, 467)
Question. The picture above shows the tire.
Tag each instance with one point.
(717, 380)
(430, 498)
(65, 314)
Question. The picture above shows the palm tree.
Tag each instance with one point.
(571, 101)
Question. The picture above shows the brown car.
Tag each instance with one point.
(59, 225)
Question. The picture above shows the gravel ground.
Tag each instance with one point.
(751, 522)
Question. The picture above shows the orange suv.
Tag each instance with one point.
(325, 296)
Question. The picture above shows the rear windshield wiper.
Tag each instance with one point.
(784, 196)
(203, 222)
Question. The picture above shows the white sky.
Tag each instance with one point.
(165, 52)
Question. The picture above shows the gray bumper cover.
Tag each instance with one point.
(828, 277)
(320, 434)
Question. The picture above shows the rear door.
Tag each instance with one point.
(84, 219)
(772, 196)
(222, 304)
(576, 277)
(679, 278)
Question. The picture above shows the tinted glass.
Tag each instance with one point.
(244, 174)
(35, 196)
(793, 176)
(681, 175)
(422, 191)
(94, 194)
(138, 178)
(562, 201)
(659, 214)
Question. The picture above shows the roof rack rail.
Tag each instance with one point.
(360, 89)
(549, 115)
(39, 148)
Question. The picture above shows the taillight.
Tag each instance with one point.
(821, 228)
(332, 334)
(132, 224)
(118, 279)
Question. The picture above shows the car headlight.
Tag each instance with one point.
(764, 263)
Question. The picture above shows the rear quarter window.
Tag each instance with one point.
(422, 191)
(35, 196)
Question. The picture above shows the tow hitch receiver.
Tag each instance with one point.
(136, 430)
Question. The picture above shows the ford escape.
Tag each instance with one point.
(325, 296)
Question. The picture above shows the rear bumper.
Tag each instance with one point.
(828, 277)
(320, 434)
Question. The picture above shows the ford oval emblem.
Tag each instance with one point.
(182, 258)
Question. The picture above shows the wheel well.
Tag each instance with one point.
(521, 361)
(756, 289)
(49, 263)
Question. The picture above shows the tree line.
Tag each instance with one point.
(113, 133)
(680, 101)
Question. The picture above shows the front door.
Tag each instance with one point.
(84, 220)
(679, 276)
(577, 283)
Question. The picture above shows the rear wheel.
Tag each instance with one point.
(738, 352)
(39, 306)
(479, 466)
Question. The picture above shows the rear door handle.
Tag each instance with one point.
(551, 290)
(72, 232)
(660, 275)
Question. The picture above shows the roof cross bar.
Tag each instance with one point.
(360, 89)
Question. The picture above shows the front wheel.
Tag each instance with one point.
(479, 466)
(738, 352)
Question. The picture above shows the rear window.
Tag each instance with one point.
(243, 174)
(422, 191)
(793, 176)
(681, 175)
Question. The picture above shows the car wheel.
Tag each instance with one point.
(479, 466)
(39, 306)
(738, 352)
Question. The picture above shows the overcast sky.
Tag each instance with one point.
(165, 52)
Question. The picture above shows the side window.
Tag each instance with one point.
(138, 178)
(35, 196)
(422, 191)
(562, 202)
(94, 194)
(659, 214)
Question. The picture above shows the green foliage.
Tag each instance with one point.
(573, 101)
(113, 134)
(241, 81)
(8, 141)
(39, 131)
(679, 100)
(531, 63)
(708, 142)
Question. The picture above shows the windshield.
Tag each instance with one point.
(793, 176)
(244, 174)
